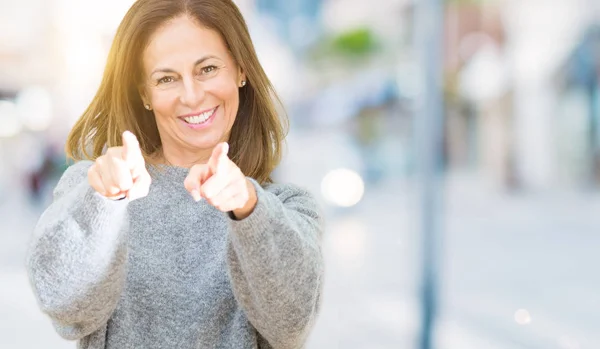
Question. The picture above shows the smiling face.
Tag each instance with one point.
(191, 82)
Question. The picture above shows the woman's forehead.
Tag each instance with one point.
(182, 40)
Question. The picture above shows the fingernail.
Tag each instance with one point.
(196, 195)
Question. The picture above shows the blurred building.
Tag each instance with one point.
(503, 117)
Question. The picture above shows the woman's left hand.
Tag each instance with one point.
(222, 184)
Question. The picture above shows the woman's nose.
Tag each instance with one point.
(193, 93)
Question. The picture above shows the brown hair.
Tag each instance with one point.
(256, 137)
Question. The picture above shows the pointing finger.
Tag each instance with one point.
(132, 153)
(219, 158)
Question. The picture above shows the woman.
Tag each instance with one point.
(168, 232)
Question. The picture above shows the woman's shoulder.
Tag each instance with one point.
(78, 169)
(286, 191)
(73, 175)
(295, 197)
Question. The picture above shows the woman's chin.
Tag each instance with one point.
(204, 143)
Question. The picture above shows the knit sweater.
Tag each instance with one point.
(165, 271)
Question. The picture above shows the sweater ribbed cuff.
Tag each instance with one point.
(101, 211)
(251, 229)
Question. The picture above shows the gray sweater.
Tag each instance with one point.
(165, 271)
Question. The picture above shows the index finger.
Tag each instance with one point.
(218, 157)
(132, 154)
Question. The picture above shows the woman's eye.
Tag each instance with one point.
(209, 69)
(165, 80)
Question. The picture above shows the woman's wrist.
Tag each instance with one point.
(245, 211)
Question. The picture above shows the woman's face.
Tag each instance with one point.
(191, 82)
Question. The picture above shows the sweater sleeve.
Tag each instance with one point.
(77, 256)
(276, 264)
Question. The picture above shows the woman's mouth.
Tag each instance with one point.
(201, 120)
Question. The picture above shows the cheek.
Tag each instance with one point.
(227, 91)
(232, 100)
(232, 106)
(227, 94)
(162, 103)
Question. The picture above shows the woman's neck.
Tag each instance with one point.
(179, 158)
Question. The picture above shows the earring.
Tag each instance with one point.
(243, 83)
(147, 106)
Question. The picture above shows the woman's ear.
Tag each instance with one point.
(241, 77)
(144, 98)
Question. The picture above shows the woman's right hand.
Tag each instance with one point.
(121, 172)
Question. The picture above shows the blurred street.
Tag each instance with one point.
(501, 252)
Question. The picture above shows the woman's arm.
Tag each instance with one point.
(276, 264)
(77, 257)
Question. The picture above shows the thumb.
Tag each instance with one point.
(195, 178)
(218, 157)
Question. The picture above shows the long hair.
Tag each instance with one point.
(256, 137)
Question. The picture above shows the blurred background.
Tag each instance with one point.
(516, 237)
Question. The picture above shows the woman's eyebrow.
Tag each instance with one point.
(168, 70)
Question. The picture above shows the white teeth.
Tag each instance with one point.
(198, 119)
